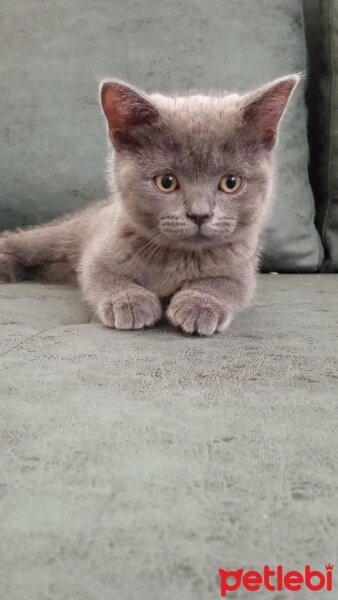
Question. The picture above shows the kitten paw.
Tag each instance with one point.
(197, 312)
(130, 310)
(9, 271)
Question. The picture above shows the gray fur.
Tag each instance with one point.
(139, 248)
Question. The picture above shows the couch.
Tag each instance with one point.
(134, 465)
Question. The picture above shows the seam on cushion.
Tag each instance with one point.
(329, 15)
(28, 339)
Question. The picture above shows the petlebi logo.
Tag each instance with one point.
(277, 579)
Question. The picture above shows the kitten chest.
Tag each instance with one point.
(166, 274)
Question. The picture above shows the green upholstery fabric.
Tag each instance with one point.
(53, 135)
(135, 464)
(328, 133)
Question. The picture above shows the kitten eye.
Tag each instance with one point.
(166, 183)
(230, 184)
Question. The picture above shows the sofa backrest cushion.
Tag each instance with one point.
(53, 136)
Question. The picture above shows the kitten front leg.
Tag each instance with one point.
(128, 306)
(117, 300)
(208, 306)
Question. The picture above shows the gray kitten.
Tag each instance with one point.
(191, 180)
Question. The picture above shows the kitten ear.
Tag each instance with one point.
(264, 108)
(127, 111)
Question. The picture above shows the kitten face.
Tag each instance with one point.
(194, 171)
(199, 148)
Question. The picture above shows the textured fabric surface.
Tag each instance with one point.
(328, 133)
(135, 464)
(54, 53)
(313, 44)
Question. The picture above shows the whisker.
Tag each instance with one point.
(152, 246)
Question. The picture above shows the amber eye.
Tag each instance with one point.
(166, 183)
(230, 184)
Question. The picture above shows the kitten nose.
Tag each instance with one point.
(198, 219)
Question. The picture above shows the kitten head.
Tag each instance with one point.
(194, 171)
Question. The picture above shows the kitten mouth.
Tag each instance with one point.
(200, 236)
(192, 238)
(203, 233)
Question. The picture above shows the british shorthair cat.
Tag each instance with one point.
(191, 183)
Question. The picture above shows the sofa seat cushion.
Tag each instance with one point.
(136, 464)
